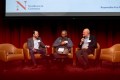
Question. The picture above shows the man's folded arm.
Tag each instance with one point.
(56, 43)
(70, 43)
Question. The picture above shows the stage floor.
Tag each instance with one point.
(58, 70)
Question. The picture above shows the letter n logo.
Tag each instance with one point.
(21, 4)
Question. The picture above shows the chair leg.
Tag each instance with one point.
(74, 62)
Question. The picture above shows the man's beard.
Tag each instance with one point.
(36, 37)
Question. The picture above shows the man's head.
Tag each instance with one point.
(86, 32)
(64, 33)
(35, 34)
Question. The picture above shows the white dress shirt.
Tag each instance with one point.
(36, 44)
(85, 43)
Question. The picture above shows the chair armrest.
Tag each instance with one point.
(71, 50)
(46, 49)
(76, 49)
(26, 53)
(97, 53)
(116, 57)
(53, 50)
(3, 55)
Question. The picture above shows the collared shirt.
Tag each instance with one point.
(36, 44)
(85, 43)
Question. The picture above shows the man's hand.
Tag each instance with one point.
(85, 48)
(82, 40)
(63, 43)
(47, 46)
(34, 49)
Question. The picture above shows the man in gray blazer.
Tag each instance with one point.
(36, 45)
(62, 44)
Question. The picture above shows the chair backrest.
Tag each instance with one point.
(116, 47)
(8, 47)
(25, 45)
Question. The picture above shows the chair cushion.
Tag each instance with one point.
(37, 56)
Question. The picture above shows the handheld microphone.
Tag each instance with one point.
(82, 39)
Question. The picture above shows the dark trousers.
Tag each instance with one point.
(41, 51)
(82, 56)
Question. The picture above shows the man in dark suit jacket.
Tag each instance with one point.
(36, 45)
(87, 45)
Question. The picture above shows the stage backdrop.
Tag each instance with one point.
(18, 31)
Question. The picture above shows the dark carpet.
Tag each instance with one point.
(57, 70)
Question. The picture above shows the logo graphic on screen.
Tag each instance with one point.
(21, 4)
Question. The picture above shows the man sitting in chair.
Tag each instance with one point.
(62, 45)
(36, 45)
(87, 45)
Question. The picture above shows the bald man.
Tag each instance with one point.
(62, 45)
(87, 45)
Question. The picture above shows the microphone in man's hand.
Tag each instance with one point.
(82, 39)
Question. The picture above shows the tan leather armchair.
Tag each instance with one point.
(95, 55)
(111, 54)
(27, 54)
(70, 55)
(9, 52)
